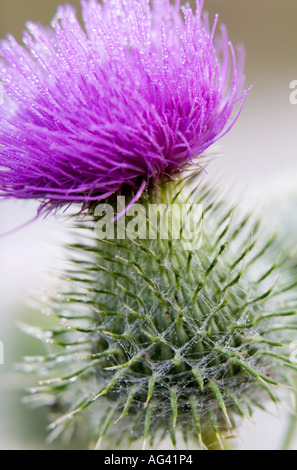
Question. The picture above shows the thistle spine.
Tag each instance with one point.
(170, 338)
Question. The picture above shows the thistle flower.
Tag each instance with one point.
(150, 337)
(136, 94)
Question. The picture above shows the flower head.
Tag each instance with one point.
(135, 94)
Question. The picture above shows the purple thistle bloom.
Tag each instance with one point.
(136, 94)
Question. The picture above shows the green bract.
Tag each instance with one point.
(156, 339)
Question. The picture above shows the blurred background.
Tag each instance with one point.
(256, 161)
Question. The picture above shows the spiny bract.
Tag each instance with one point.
(156, 339)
